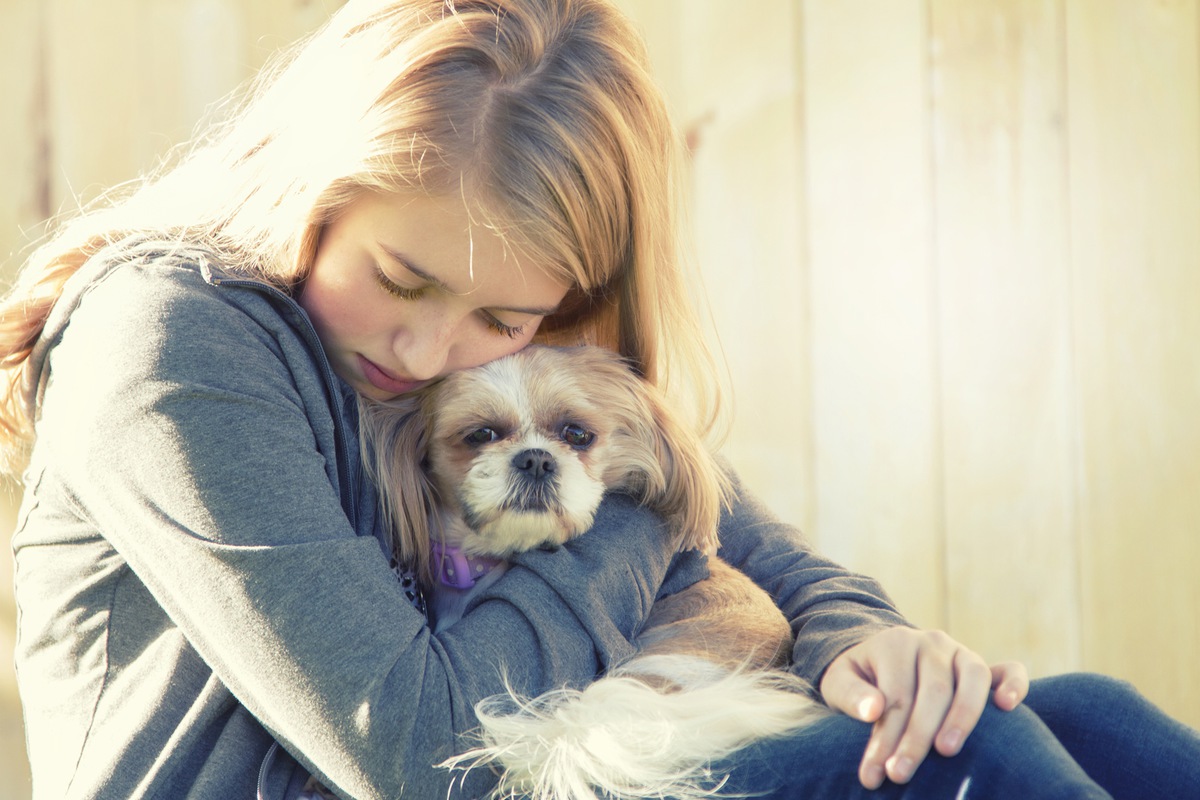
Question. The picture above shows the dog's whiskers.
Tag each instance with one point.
(535, 497)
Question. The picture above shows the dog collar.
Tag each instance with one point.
(456, 569)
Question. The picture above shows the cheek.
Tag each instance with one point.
(338, 309)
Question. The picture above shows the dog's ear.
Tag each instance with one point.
(689, 489)
(395, 446)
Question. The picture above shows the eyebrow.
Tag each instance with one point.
(407, 263)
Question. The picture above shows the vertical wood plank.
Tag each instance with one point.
(22, 132)
(1135, 188)
(157, 67)
(658, 24)
(22, 208)
(1005, 329)
(742, 113)
(94, 61)
(871, 295)
(277, 23)
(733, 88)
(200, 51)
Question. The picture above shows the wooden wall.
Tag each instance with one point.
(952, 253)
(953, 249)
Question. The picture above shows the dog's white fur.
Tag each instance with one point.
(705, 680)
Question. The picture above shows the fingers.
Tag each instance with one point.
(973, 681)
(924, 699)
(1010, 684)
(876, 681)
(883, 757)
(921, 690)
(934, 691)
(849, 687)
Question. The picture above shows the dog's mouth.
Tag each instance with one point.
(532, 497)
(538, 498)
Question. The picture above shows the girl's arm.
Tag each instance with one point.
(177, 421)
(830, 608)
(921, 689)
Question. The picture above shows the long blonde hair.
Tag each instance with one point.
(545, 108)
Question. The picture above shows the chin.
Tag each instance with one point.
(518, 454)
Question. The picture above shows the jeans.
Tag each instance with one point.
(1076, 736)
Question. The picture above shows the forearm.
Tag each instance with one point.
(830, 607)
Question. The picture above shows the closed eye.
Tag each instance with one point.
(395, 289)
(511, 331)
(405, 293)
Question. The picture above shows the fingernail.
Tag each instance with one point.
(872, 776)
(900, 768)
(954, 740)
(864, 708)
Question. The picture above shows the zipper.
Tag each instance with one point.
(264, 770)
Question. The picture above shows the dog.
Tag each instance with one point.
(518, 454)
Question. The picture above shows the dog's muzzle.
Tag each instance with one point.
(534, 484)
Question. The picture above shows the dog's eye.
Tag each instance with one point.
(481, 436)
(578, 437)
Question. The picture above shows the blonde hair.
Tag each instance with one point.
(543, 109)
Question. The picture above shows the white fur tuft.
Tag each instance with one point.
(621, 738)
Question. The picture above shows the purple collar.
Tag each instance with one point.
(456, 569)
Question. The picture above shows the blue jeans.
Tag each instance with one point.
(1076, 736)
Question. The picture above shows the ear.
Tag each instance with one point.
(395, 444)
(694, 488)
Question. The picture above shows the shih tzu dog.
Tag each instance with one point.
(518, 454)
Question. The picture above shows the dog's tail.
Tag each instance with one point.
(622, 737)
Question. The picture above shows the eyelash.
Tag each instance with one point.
(394, 290)
(499, 327)
(493, 324)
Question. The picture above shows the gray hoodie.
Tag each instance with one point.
(201, 574)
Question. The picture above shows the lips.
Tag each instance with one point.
(384, 381)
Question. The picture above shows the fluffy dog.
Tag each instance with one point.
(518, 454)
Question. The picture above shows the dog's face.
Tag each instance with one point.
(518, 454)
(523, 449)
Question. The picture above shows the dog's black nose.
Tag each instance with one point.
(534, 463)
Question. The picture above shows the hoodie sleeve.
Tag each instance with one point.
(830, 608)
(177, 421)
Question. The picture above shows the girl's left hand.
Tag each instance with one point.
(921, 689)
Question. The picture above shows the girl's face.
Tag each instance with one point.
(406, 288)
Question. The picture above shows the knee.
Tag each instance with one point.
(1013, 754)
(1085, 687)
(1084, 699)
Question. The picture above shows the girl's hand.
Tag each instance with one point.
(921, 689)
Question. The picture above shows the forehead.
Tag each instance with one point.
(517, 391)
(448, 240)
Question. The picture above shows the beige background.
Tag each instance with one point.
(953, 253)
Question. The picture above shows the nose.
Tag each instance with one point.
(534, 464)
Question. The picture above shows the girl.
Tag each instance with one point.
(208, 604)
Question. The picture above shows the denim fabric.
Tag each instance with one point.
(1077, 736)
